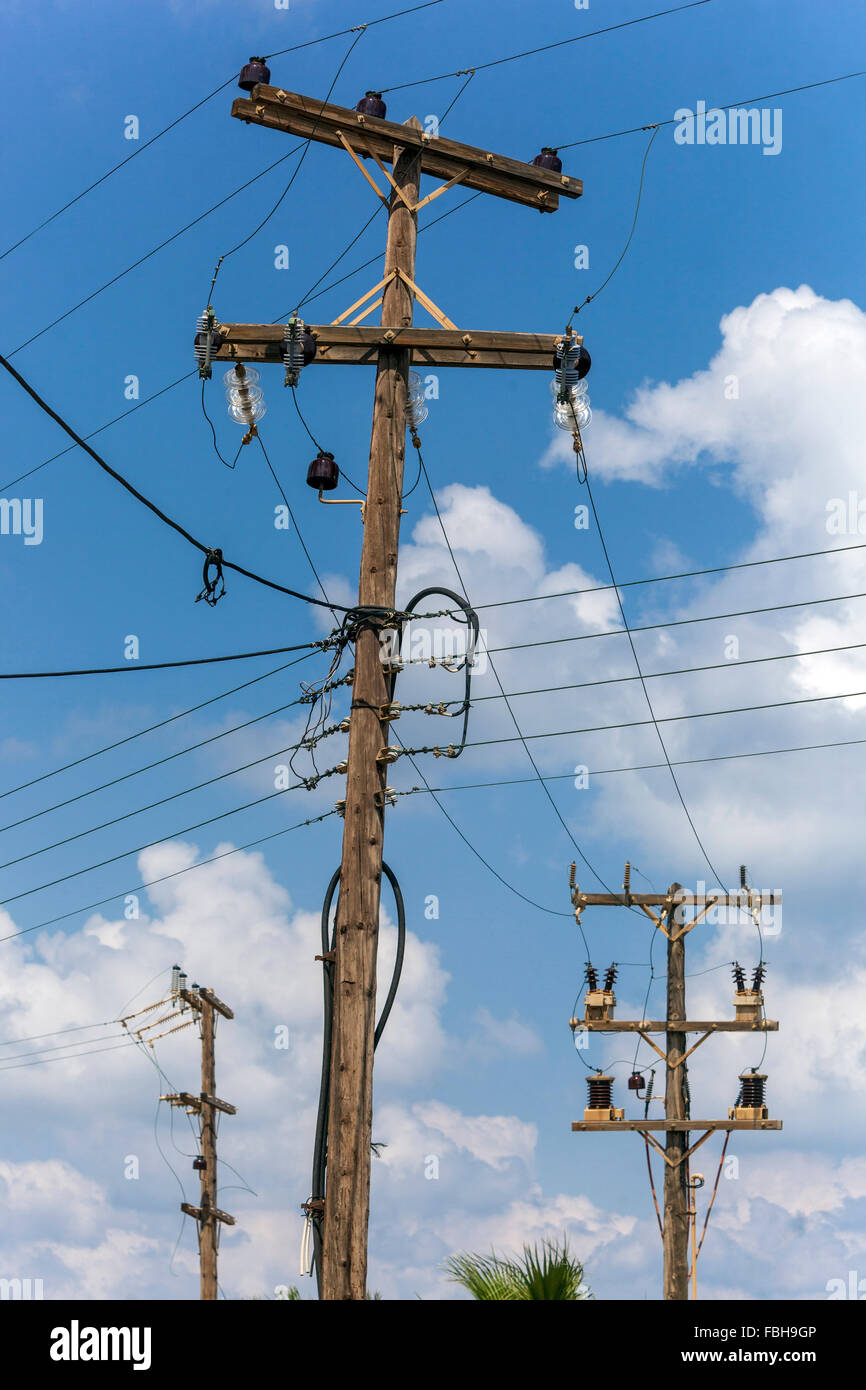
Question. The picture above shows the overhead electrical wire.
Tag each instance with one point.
(655, 719)
(152, 728)
(152, 252)
(684, 574)
(547, 47)
(164, 878)
(158, 762)
(196, 106)
(514, 720)
(657, 675)
(163, 801)
(139, 496)
(641, 767)
(161, 840)
(161, 665)
(747, 101)
(655, 722)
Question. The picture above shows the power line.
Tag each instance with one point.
(546, 48)
(152, 728)
(139, 496)
(12, 1066)
(655, 720)
(643, 684)
(158, 762)
(675, 622)
(656, 675)
(163, 801)
(747, 101)
(526, 748)
(152, 252)
(641, 767)
(162, 665)
(102, 863)
(197, 105)
(140, 887)
(664, 578)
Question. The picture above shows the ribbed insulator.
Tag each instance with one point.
(753, 1090)
(591, 976)
(758, 976)
(739, 977)
(610, 976)
(599, 1097)
(575, 367)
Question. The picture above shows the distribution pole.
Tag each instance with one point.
(208, 1174)
(667, 911)
(344, 1271)
(677, 1197)
(391, 346)
(206, 1104)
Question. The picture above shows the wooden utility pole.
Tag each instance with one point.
(205, 1105)
(668, 913)
(392, 347)
(344, 1272)
(677, 1198)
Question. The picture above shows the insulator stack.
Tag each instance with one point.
(750, 1103)
(299, 349)
(758, 975)
(649, 1091)
(245, 399)
(591, 977)
(743, 876)
(610, 976)
(739, 977)
(208, 342)
(753, 1089)
(599, 1097)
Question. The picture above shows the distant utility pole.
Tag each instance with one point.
(667, 912)
(208, 1215)
(391, 347)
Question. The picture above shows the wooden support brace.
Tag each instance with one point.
(214, 1212)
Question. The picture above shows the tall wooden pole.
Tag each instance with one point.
(677, 1197)
(208, 1222)
(347, 1200)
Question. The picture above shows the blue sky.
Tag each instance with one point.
(481, 1069)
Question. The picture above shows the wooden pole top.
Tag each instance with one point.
(370, 137)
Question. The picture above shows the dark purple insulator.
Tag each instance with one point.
(372, 105)
(256, 70)
(548, 159)
(636, 1082)
(323, 473)
(309, 345)
(199, 1164)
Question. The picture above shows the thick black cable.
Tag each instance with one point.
(471, 618)
(161, 665)
(320, 1145)
(175, 526)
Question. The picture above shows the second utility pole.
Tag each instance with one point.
(344, 1272)
(677, 1197)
